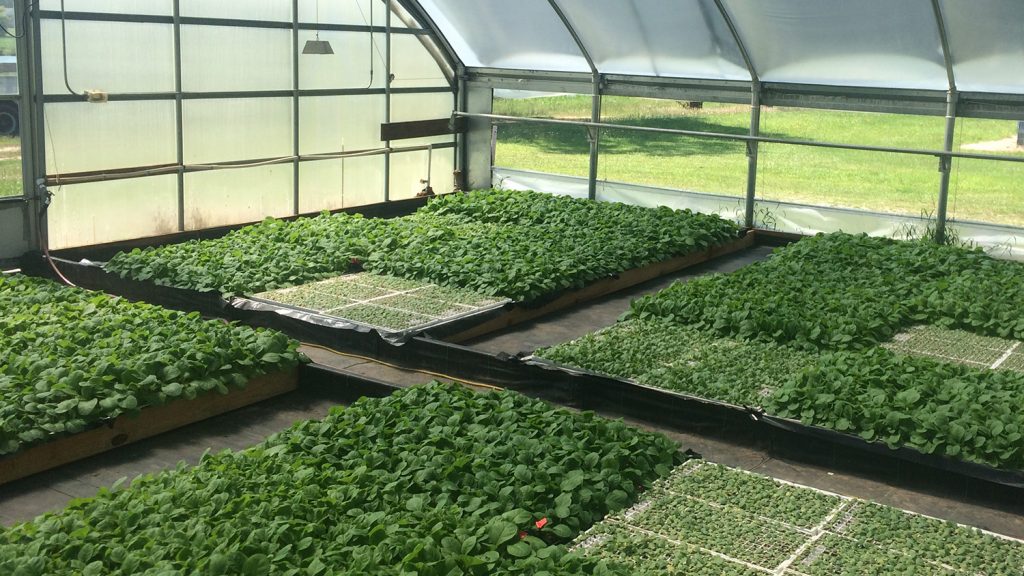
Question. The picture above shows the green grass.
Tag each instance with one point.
(980, 190)
(10, 166)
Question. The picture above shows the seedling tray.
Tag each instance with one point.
(394, 307)
(149, 422)
(709, 519)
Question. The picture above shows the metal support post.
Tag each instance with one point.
(179, 116)
(945, 168)
(595, 138)
(752, 151)
(461, 149)
(387, 100)
(295, 107)
(33, 134)
(27, 122)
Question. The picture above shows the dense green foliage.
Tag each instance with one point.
(434, 480)
(520, 245)
(935, 407)
(264, 256)
(661, 353)
(799, 334)
(71, 358)
(524, 245)
(841, 291)
(708, 520)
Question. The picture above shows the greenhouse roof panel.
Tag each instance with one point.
(869, 43)
(526, 34)
(986, 40)
(875, 44)
(675, 38)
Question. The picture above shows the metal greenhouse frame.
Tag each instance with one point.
(952, 64)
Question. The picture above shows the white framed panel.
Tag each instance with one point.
(268, 10)
(226, 197)
(115, 57)
(83, 137)
(351, 12)
(98, 212)
(231, 58)
(237, 129)
(410, 170)
(153, 7)
(356, 63)
(340, 123)
(342, 183)
(412, 65)
(428, 106)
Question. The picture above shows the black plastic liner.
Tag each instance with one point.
(581, 389)
(343, 387)
(679, 410)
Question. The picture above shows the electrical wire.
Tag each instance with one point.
(373, 42)
(64, 49)
(24, 22)
(396, 367)
(60, 180)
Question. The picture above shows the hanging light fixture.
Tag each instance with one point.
(317, 46)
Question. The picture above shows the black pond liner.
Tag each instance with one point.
(678, 410)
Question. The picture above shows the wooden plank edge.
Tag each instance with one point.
(149, 422)
(604, 287)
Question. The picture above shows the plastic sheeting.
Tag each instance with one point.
(872, 43)
(688, 38)
(987, 42)
(499, 34)
(867, 43)
(1000, 241)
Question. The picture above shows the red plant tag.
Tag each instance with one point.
(541, 523)
(522, 534)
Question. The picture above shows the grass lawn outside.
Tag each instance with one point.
(10, 166)
(979, 190)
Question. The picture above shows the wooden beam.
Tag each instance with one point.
(422, 129)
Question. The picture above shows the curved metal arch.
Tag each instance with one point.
(754, 77)
(575, 35)
(595, 109)
(947, 54)
(451, 57)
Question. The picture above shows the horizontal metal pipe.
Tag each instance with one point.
(164, 169)
(739, 137)
(240, 94)
(228, 22)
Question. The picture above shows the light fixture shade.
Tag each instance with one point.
(317, 47)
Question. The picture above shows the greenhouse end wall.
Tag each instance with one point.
(213, 115)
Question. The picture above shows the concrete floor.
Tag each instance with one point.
(52, 490)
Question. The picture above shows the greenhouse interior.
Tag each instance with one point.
(546, 287)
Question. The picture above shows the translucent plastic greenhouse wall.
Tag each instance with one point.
(216, 117)
(1000, 241)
